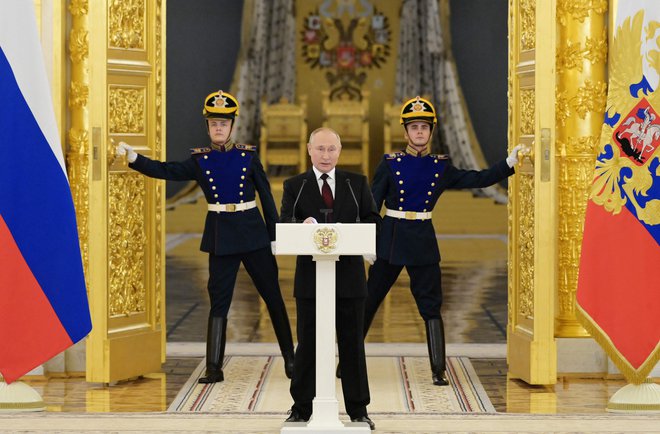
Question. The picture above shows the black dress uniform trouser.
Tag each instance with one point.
(424, 284)
(354, 382)
(262, 268)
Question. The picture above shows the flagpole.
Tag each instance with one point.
(18, 396)
(636, 398)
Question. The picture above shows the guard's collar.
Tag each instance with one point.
(229, 145)
(415, 153)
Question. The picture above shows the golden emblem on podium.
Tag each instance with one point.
(326, 239)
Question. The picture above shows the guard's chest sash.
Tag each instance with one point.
(225, 176)
(416, 180)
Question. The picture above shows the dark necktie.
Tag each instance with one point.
(326, 193)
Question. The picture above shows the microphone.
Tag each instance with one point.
(293, 214)
(348, 182)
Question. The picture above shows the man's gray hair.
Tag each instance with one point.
(311, 136)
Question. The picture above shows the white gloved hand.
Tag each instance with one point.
(512, 159)
(370, 259)
(126, 149)
(272, 247)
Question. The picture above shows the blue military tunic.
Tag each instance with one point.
(232, 176)
(412, 181)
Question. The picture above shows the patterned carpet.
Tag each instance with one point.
(399, 385)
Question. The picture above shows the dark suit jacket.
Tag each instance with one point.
(225, 233)
(351, 279)
(413, 242)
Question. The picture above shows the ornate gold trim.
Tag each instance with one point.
(77, 156)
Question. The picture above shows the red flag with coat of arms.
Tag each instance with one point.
(618, 295)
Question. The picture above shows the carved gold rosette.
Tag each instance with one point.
(581, 96)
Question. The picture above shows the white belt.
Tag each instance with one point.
(408, 215)
(232, 207)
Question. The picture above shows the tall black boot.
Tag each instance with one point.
(282, 329)
(435, 338)
(216, 339)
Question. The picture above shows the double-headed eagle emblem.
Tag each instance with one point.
(628, 160)
(325, 239)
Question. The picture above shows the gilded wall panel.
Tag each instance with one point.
(127, 24)
(126, 243)
(78, 146)
(160, 155)
(126, 110)
(527, 24)
(527, 114)
(526, 247)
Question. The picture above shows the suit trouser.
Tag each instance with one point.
(262, 268)
(425, 286)
(355, 384)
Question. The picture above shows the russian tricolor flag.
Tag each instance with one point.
(43, 299)
(618, 294)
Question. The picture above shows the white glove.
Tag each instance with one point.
(126, 149)
(272, 247)
(512, 159)
(370, 259)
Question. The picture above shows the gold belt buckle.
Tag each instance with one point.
(411, 215)
(231, 207)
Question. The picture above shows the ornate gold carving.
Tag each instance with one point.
(78, 95)
(527, 107)
(596, 49)
(126, 24)
(126, 110)
(526, 247)
(570, 56)
(77, 156)
(325, 239)
(160, 227)
(527, 24)
(79, 8)
(590, 98)
(126, 243)
(576, 167)
(79, 45)
(562, 107)
(579, 9)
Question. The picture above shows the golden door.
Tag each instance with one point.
(115, 91)
(531, 347)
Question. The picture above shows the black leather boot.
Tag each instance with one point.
(216, 339)
(435, 338)
(282, 329)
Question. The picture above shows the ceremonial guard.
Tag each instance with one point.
(229, 174)
(410, 183)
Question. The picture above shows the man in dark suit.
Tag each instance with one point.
(409, 183)
(229, 174)
(325, 194)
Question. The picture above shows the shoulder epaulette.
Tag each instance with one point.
(394, 155)
(199, 150)
(440, 156)
(244, 147)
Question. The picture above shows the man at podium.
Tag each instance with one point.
(325, 194)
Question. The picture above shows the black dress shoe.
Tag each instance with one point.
(338, 371)
(440, 380)
(365, 419)
(294, 416)
(212, 376)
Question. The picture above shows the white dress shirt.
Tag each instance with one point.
(330, 180)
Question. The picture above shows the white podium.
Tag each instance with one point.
(325, 242)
